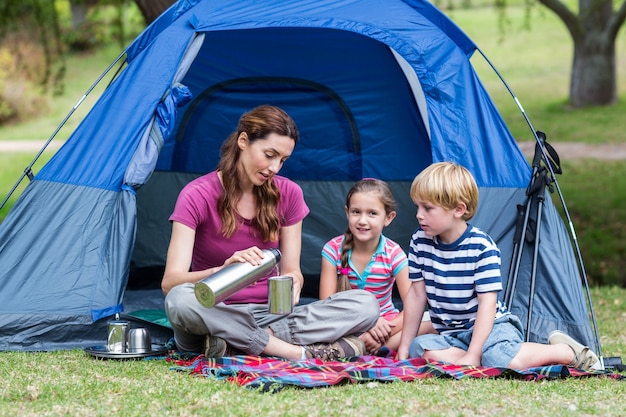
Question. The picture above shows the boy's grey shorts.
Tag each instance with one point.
(500, 348)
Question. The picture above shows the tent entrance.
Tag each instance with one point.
(348, 93)
(227, 100)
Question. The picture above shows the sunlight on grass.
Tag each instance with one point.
(594, 193)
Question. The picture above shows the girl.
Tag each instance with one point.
(230, 215)
(368, 260)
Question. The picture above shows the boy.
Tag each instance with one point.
(455, 267)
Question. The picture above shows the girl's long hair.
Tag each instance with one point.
(367, 185)
(258, 123)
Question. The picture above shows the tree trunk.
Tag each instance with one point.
(151, 9)
(593, 30)
(594, 73)
(79, 10)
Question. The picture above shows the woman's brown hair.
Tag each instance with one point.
(258, 123)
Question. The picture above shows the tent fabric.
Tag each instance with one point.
(376, 91)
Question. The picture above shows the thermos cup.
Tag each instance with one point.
(118, 336)
(280, 295)
(217, 287)
(139, 340)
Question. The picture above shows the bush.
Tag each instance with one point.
(20, 64)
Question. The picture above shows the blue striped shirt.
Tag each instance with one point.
(454, 274)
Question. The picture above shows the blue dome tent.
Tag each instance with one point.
(376, 92)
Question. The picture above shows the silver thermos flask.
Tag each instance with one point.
(227, 281)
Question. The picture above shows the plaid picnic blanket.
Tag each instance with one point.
(273, 374)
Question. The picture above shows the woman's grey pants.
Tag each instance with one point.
(243, 325)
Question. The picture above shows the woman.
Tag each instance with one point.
(230, 215)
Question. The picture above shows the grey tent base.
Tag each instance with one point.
(56, 332)
(41, 330)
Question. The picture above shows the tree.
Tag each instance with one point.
(594, 31)
(25, 21)
(79, 9)
(151, 9)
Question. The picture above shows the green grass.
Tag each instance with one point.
(72, 383)
(594, 195)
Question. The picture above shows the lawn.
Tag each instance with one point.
(73, 383)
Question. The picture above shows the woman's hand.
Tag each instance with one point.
(252, 255)
(290, 244)
(297, 289)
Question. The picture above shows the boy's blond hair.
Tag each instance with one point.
(446, 184)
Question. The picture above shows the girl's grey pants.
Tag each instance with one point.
(243, 325)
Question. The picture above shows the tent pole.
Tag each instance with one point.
(523, 215)
(539, 192)
(28, 171)
(565, 209)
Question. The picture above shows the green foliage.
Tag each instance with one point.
(82, 70)
(35, 37)
(111, 22)
(30, 55)
(18, 98)
(33, 21)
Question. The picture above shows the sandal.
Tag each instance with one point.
(584, 358)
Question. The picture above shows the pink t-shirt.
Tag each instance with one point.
(379, 274)
(196, 208)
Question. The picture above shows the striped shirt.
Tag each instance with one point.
(454, 274)
(378, 276)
